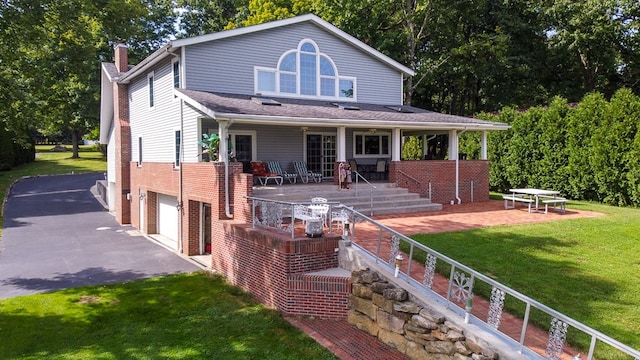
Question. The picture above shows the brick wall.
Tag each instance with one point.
(122, 139)
(442, 175)
(122, 159)
(201, 183)
(274, 268)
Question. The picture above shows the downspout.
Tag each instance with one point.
(458, 165)
(180, 157)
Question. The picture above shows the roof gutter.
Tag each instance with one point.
(288, 120)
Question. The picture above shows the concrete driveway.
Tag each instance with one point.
(56, 235)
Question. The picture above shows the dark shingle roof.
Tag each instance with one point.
(326, 111)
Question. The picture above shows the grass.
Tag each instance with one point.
(190, 316)
(51, 163)
(187, 316)
(588, 269)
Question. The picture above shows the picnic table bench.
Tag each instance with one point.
(535, 197)
(546, 200)
(516, 198)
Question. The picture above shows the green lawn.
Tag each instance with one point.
(189, 316)
(586, 268)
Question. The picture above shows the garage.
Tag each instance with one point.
(168, 218)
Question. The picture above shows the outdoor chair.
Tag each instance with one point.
(274, 167)
(354, 166)
(320, 210)
(303, 213)
(339, 217)
(381, 169)
(305, 174)
(259, 171)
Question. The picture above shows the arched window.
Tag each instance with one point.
(305, 72)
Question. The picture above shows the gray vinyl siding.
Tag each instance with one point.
(190, 134)
(155, 125)
(227, 65)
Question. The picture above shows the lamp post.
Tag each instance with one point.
(399, 259)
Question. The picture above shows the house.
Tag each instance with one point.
(297, 89)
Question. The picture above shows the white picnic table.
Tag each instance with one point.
(532, 196)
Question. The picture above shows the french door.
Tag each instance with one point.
(321, 153)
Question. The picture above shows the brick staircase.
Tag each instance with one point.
(385, 198)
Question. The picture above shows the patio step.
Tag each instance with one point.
(385, 197)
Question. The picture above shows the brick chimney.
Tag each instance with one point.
(120, 57)
(122, 138)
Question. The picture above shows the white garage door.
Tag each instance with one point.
(168, 218)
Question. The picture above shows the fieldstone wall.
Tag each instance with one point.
(384, 311)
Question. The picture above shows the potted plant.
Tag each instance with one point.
(210, 145)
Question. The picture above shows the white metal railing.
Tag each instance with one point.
(371, 188)
(460, 282)
(459, 296)
(414, 180)
(280, 215)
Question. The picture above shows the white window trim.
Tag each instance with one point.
(254, 141)
(370, 156)
(173, 62)
(139, 160)
(180, 150)
(276, 71)
(151, 92)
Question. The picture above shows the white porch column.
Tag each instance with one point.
(453, 144)
(396, 142)
(223, 130)
(425, 146)
(341, 144)
(483, 146)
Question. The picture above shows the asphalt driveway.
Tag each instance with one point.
(57, 235)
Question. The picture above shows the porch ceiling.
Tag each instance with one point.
(241, 108)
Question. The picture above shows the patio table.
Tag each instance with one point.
(535, 193)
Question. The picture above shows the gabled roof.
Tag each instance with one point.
(291, 111)
(174, 45)
(295, 20)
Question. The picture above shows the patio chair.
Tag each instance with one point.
(320, 210)
(274, 167)
(354, 166)
(381, 169)
(259, 171)
(303, 213)
(305, 174)
(339, 217)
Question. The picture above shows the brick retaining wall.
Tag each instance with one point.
(441, 174)
(275, 268)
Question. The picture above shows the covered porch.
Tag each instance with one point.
(322, 134)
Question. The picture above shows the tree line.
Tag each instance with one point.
(469, 56)
(587, 151)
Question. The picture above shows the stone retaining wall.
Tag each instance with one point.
(384, 311)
